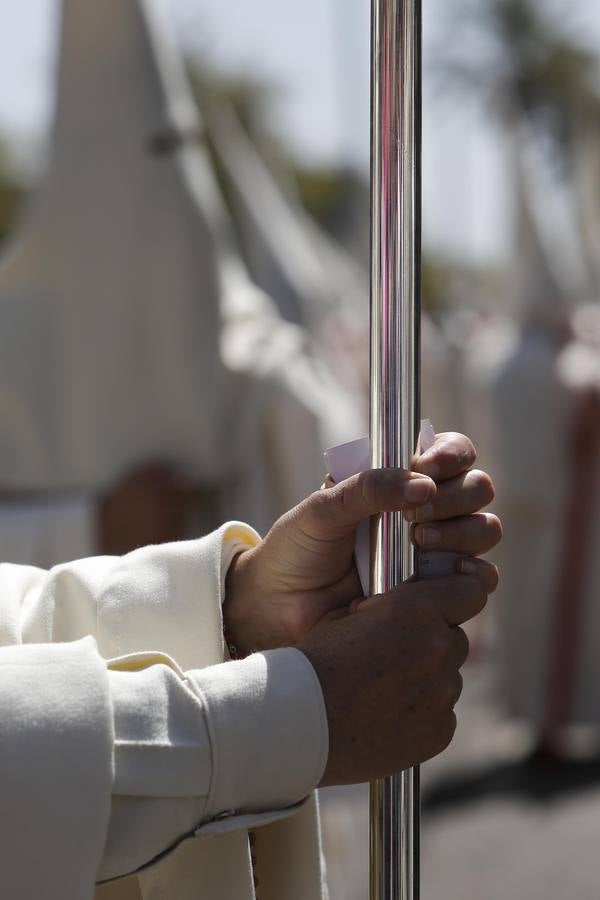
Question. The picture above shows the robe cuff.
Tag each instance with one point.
(267, 729)
(168, 598)
(236, 537)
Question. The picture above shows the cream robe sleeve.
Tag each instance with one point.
(195, 741)
(55, 770)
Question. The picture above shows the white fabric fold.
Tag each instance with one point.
(55, 769)
(230, 740)
(198, 748)
(276, 694)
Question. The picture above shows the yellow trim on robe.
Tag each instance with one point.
(235, 532)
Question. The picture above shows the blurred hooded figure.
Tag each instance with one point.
(531, 415)
(574, 670)
(548, 616)
(138, 361)
(147, 389)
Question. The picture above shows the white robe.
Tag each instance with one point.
(129, 328)
(193, 751)
(534, 410)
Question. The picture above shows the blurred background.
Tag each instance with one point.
(184, 246)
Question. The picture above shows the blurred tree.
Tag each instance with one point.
(536, 76)
(449, 283)
(336, 197)
(326, 192)
(250, 97)
(531, 64)
(11, 192)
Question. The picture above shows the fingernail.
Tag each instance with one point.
(410, 515)
(427, 536)
(467, 567)
(418, 490)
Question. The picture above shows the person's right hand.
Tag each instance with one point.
(390, 676)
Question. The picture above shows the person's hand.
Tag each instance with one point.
(390, 675)
(453, 521)
(304, 569)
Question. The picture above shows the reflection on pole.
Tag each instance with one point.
(395, 318)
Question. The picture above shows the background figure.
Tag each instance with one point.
(545, 399)
(217, 239)
(573, 669)
(531, 409)
(140, 366)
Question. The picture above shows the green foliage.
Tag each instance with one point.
(328, 193)
(533, 63)
(11, 193)
(549, 71)
(249, 97)
(323, 190)
(11, 197)
(448, 283)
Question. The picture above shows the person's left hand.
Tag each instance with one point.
(303, 571)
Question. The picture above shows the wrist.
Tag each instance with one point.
(238, 606)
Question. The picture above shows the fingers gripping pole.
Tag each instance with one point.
(395, 317)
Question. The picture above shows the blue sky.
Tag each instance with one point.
(318, 52)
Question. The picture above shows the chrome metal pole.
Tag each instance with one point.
(395, 321)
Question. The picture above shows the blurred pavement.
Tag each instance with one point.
(493, 827)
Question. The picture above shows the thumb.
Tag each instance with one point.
(343, 506)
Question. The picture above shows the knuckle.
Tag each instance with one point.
(425, 607)
(491, 576)
(483, 485)
(451, 692)
(442, 734)
(458, 688)
(469, 454)
(464, 449)
(469, 590)
(319, 504)
(415, 602)
(448, 730)
(480, 600)
(439, 647)
(461, 645)
(319, 499)
(478, 592)
(391, 613)
(495, 577)
(367, 486)
(342, 502)
(473, 597)
(495, 527)
(427, 616)
(334, 504)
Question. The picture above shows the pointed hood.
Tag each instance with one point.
(109, 297)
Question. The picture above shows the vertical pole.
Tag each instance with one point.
(395, 321)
